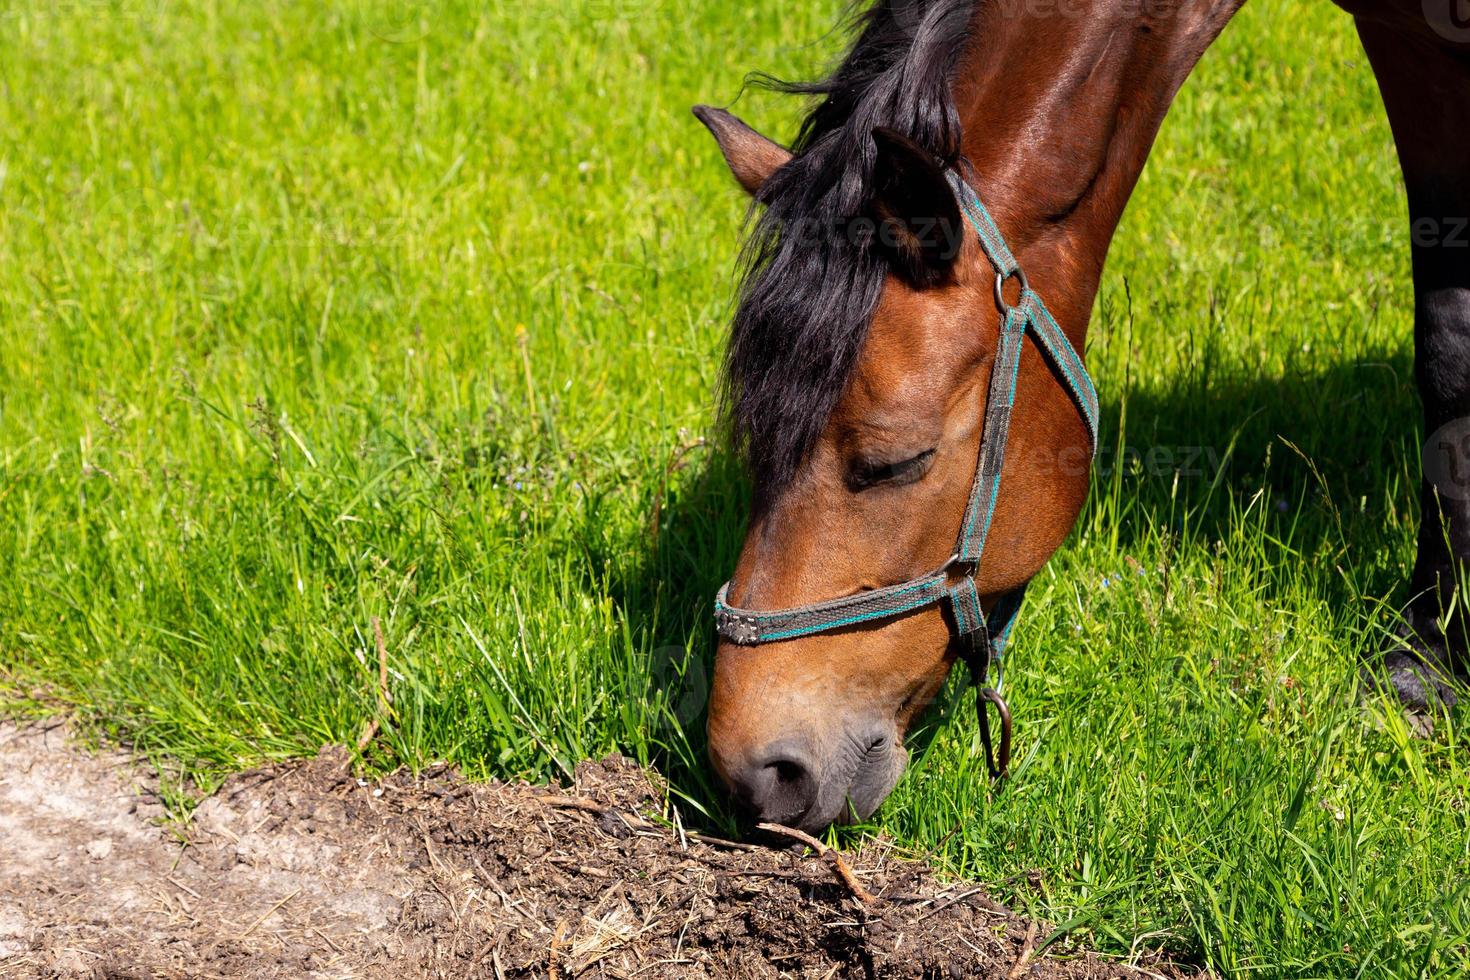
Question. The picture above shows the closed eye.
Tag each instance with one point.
(872, 473)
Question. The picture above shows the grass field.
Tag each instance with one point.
(311, 313)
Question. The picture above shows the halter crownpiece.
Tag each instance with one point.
(982, 637)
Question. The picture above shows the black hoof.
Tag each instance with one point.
(1417, 672)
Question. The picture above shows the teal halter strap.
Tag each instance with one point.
(983, 636)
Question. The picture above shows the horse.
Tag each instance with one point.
(905, 362)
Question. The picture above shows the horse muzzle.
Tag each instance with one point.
(798, 783)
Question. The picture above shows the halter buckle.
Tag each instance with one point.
(1000, 294)
(740, 630)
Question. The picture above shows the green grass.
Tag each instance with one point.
(315, 313)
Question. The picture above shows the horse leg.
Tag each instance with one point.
(1423, 74)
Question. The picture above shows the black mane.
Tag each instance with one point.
(809, 288)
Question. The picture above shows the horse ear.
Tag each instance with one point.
(752, 157)
(918, 219)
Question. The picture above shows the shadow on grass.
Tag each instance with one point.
(665, 597)
(1342, 434)
(1332, 454)
(1325, 463)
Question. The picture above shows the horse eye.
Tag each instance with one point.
(868, 474)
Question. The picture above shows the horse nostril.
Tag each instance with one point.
(780, 787)
(791, 790)
(788, 771)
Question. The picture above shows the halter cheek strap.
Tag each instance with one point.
(982, 638)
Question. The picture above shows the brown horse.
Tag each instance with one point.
(862, 348)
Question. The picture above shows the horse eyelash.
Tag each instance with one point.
(891, 474)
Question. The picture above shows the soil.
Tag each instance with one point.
(304, 870)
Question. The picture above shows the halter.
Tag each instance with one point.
(982, 637)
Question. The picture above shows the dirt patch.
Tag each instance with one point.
(302, 870)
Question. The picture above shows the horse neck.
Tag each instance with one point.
(1060, 104)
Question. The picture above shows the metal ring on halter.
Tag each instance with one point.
(953, 562)
(1000, 294)
(999, 763)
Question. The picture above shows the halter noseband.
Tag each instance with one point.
(982, 637)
